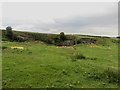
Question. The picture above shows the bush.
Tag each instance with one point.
(77, 56)
(93, 58)
(18, 38)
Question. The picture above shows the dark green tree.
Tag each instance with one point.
(62, 36)
(9, 32)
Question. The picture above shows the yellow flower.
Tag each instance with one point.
(17, 47)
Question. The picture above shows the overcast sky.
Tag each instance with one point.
(93, 18)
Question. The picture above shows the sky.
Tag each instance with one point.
(89, 18)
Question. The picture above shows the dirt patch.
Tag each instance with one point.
(92, 44)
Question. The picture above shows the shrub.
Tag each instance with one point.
(77, 56)
(18, 38)
(93, 58)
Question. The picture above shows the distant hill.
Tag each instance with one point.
(21, 36)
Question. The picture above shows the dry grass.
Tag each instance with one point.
(64, 47)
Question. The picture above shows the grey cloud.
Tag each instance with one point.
(98, 24)
(83, 24)
(88, 21)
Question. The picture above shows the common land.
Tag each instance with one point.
(42, 65)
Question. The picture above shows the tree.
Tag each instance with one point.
(9, 32)
(62, 36)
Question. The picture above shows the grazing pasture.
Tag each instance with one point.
(41, 65)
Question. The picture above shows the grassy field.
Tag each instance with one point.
(40, 65)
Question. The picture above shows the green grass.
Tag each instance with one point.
(44, 66)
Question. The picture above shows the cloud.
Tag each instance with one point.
(95, 25)
(101, 20)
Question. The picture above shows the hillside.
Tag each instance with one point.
(54, 38)
(41, 64)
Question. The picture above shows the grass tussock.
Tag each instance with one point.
(4, 47)
(42, 65)
(111, 75)
(108, 75)
(78, 55)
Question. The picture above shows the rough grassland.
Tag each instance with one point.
(44, 66)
